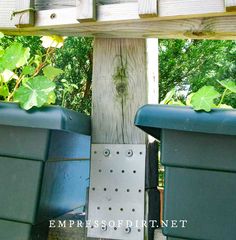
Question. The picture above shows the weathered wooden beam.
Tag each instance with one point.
(23, 14)
(217, 28)
(148, 8)
(86, 10)
(116, 98)
(230, 5)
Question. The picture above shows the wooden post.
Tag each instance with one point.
(231, 5)
(86, 10)
(125, 77)
(148, 8)
(24, 13)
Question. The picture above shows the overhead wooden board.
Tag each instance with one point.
(175, 19)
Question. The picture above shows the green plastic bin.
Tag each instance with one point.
(44, 168)
(198, 150)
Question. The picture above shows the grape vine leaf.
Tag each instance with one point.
(230, 85)
(51, 72)
(15, 56)
(204, 98)
(35, 92)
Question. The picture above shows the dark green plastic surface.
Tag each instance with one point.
(20, 181)
(22, 142)
(44, 168)
(152, 118)
(198, 151)
(14, 230)
(52, 117)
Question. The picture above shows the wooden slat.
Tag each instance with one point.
(148, 8)
(221, 28)
(86, 10)
(190, 7)
(111, 23)
(23, 14)
(231, 5)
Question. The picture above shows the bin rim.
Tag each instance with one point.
(152, 118)
(48, 117)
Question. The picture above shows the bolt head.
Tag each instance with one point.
(129, 153)
(106, 152)
(127, 230)
(103, 228)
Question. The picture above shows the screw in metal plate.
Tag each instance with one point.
(128, 230)
(106, 152)
(129, 153)
(104, 227)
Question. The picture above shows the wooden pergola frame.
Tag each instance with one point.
(199, 19)
(121, 30)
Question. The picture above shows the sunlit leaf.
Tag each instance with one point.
(176, 103)
(1, 51)
(189, 98)
(8, 75)
(204, 98)
(230, 85)
(51, 72)
(1, 35)
(14, 56)
(168, 96)
(225, 106)
(51, 98)
(4, 91)
(35, 92)
(52, 41)
(28, 70)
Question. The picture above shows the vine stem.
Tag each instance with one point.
(49, 52)
(223, 96)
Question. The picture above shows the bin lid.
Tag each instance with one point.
(153, 118)
(50, 117)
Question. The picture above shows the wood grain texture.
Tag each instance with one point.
(221, 28)
(148, 8)
(111, 23)
(112, 117)
(86, 10)
(183, 7)
(230, 5)
(25, 15)
(116, 101)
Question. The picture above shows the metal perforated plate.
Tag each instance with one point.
(116, 195)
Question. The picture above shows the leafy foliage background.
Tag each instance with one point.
(192, 64)
(185, 64)
(75, 59)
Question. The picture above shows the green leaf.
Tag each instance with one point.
(189, 98)
(176, 103)
(8, 75)
(28, 70)
(204, 98)
(51, 72)
(230, 85)
(14, 56)
(53, 41)
(35, 92)
(168, 96)
(51, 98)
(225, 106)
(1, 51)
(1, 35)
(4, 91)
